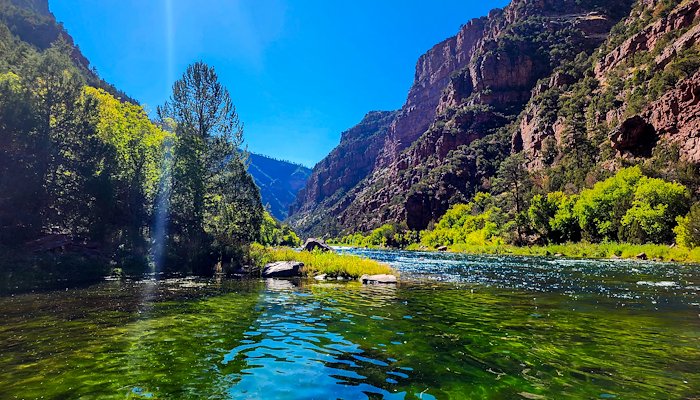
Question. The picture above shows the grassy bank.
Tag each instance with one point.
(586, 250)
(316, 263)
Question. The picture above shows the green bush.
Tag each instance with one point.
(654, 210)
(552, 217)
(688, 229)
(600, 210)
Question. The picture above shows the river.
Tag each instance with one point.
(455, 327)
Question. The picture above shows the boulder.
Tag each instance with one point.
(642, 256)
(442, 248)
(282, 269)
(383, 278)
(312, 244)
(321, 277)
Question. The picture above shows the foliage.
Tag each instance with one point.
(214, 203)
(274, 233)
(600, 209)
(315, 263)
(688, 229)
(613, 250)
(552, 217)
(77, 161)
(514, 182)
(654, 210)
(476, 223)
(387, 235)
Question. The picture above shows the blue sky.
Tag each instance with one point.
(300, 71)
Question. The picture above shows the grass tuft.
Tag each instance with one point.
(588, 250)
(316, 263)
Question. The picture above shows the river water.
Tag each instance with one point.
(456, 327)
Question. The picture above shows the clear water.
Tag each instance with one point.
(457, 327)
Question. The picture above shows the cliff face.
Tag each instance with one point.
(32, 22)
(329, 187)
(433, 72)
(642, 90)
(492, 78)
(542, 77)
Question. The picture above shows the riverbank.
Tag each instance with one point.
(612, 250)
(319, 263)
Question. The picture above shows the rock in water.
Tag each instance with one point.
(312, 244)
(282, 269)
(383, 278)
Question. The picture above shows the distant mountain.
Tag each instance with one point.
(279, 182)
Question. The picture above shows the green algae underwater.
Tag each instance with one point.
(456, 327)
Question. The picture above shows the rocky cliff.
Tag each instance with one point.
(332, 180)
(580, 81)
(32, 22)
(639, 92)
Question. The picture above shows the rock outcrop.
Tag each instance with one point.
(495, 66)
(378, 279)
(312, 244)
(329, 188)
(632, 68)
(519, 80)
(282, 269)
(675, 117)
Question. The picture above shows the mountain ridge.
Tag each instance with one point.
(490, 77)
(278, 181)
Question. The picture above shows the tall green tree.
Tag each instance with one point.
(513, 180)
(213, 200)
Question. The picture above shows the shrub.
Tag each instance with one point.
(688, 229)
(653, 214)
(600, 210)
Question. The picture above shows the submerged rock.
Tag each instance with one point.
(312, 244)
(282, 269)
(383, 278)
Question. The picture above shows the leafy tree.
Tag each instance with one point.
(688, 229)
(514, 181)
(133, 168)
(654, 210)
(475, 223)
(273, 233)
(213, 199)
(600, 210)
(552, 217)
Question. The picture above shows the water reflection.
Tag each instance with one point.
(290, 351)
(559, 331)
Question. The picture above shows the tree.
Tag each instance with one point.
(513, 180)
(654, 210)
(133, 168)
(688, 229)
(600, 210)
(552, 217)
(213, 199)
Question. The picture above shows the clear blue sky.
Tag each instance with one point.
(299, 71)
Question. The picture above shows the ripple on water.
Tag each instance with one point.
(289, 348)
